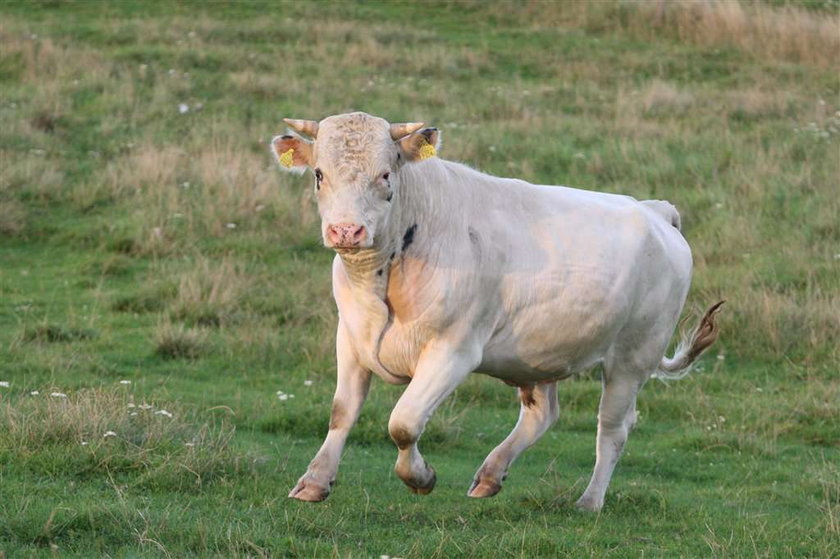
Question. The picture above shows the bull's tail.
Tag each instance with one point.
(690, 347)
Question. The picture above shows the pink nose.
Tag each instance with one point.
(346, 235)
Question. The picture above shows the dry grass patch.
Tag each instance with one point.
(106, 431)
(786, 33)
(214, 186)
(210, 294)
(35, 172)
(12, 217)
(776, 33)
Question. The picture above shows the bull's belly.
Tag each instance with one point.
(508, 362)
(531, 350)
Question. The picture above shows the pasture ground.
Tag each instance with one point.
(161, 281)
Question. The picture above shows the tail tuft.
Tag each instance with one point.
(690, 347)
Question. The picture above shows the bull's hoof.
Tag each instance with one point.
(309, 491)
(423, 488)
(482, 488)
(588, 504)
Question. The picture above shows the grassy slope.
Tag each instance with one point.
(110, 264)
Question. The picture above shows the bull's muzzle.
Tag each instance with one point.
(346, 235)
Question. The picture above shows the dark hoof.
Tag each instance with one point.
(423, 489)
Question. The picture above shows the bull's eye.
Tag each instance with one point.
(386, 176)
(319, 176)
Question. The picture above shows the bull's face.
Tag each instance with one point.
(356, 160)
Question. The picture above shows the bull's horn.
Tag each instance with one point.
(307, 127)
(403, 129)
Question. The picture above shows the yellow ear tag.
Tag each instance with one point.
(427, 150)
(287, 158)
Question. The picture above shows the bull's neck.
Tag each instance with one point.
(367, 269)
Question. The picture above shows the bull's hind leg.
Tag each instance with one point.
(538, 411)
(439, 371)
(616, 416)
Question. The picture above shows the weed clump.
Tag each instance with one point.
(178, 342)
(144, 301)
(55, 333)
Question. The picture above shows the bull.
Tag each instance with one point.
(441, 271)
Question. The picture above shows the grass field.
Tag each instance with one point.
(166, 323)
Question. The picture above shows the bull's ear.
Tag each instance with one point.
(294, 154)
(421, 145)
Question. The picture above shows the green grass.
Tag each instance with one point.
(141, 244)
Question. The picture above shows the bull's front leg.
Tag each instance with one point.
(350, 393)
(440, 369)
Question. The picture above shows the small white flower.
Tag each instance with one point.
(307, 382)
(231, 226)
(291, 395)
(163, 413)
(131, 405)
(721, 357)
(34, 393)
(282, 397)
(189, 444)
(183, 108)
(58, 395)
(185, 185)
(125, 382)
(4, 383)
(109, 434)
(132, 414)
(84, 443)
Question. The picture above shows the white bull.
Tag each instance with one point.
(442, 271)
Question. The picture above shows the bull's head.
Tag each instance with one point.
(356, 159)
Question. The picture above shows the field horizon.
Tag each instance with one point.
(166, 320)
